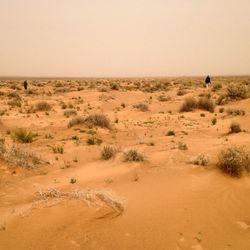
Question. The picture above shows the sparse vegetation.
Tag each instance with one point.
(58, 149)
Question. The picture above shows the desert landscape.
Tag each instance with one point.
(125, 163)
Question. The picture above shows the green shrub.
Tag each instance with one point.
(234, 161)
(23, 135)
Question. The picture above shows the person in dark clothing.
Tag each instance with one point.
(25, 84)
(207, 81)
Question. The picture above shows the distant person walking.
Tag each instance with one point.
(207, 81)
(25, 84)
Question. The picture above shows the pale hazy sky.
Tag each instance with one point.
(124, 38)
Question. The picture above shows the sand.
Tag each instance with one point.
(169, 203)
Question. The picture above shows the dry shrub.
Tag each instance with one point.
(141, 106)
(133, 155)
(216, 86)
(69, 112)
(42, 106)
(206, 104)
(108, 152)
(201, 160)
(189, 104)
(235, 112)
(163, 98)
(234, 160)
(94, 141)
(99, 120)
(76, 121)
(97, 197)
(235, 127)
(18, 157)
(15, 103)
(236, 91)
(181, 92)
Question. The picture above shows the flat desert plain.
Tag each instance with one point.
(125, 164)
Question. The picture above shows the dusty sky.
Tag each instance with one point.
(124, 38)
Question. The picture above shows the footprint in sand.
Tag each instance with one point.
(181, 242)
(243, 225)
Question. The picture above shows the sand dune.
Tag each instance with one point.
(170, 203)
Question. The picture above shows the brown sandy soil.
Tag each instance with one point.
(170, 203)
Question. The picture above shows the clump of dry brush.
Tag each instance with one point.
(234, 160)
(15, 156)
(99, 120)
(97, 197)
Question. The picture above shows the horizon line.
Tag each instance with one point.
(118, 77)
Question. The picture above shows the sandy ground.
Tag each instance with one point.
(170, 203)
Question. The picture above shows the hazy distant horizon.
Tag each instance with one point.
(117, 39)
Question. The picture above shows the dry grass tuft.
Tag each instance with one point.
(97, 197)
(108, 152)
(23, 135)
(201, 160)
